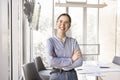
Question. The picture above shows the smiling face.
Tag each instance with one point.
(63, 24)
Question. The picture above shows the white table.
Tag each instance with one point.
(111, 75)
(93, 68)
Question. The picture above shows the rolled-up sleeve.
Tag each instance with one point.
(54, 61)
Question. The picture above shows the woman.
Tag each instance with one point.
(63, 52)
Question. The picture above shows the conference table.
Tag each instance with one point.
(98, 71)
(111, 75)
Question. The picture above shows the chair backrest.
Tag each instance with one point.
(30, 72)
(39, 63)
(116, 60)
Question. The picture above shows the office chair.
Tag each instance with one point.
(30, 72)
(43, 72)
(39, 64)
(116, 60)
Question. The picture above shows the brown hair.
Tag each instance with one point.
(65, 14)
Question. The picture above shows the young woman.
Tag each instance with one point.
(63, 52)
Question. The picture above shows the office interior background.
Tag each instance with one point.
(95, 25)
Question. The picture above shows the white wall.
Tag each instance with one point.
(17, 37)
(4, 40)
(107, 31)
(118, 29)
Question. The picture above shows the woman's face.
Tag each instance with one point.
(63, 24)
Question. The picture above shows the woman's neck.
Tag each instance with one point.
(60, 36)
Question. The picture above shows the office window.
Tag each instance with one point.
(76, 30)
(92, 25)
(44, 30)
(85, 34)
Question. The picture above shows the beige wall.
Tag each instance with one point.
(118, 29)
(107, 31)
(3, 40)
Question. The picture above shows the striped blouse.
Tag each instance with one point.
(60, 54)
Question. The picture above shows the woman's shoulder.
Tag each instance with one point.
(50, 38)
(71, 38)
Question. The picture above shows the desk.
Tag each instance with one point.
(111, 75)
(93, 69)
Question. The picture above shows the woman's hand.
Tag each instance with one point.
(76, 55)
